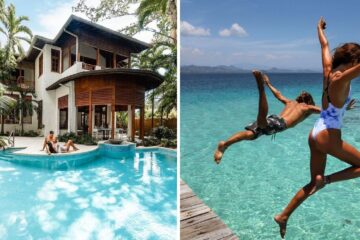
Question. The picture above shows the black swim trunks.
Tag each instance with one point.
(275, 124)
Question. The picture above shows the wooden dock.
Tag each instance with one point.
(198, 221)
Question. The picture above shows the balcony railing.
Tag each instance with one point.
(88, 66)
(20, 82)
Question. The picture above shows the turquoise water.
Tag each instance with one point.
(257, 179)
(132, 196)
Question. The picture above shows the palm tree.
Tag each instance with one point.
(14, 31)
(167, 8)
(6, 105)
(23, 106)
(2, 6)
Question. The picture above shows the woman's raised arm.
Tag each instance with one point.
(325, 51)
(348, 74)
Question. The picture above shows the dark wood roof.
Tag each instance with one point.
(148, 78)
(75, 24)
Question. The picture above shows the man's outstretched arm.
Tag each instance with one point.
(275, 92)
(314, 109)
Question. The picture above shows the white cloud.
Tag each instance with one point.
(197, 51)
(234, 30)
(189, 30)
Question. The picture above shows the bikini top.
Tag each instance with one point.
(334, 114)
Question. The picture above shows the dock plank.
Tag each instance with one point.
(198, 221)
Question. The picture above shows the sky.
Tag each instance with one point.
(263, 34)
(48, 16)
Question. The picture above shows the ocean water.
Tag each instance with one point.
(132, 196)
(256, 179)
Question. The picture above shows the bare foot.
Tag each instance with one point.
(219, 152)
(282, 224)
(319, 184)
(259, 79)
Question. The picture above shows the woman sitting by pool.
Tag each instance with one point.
(325, 138)
(294, 112)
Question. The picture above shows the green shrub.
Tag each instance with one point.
(31, 133)
(152, 141)
(85, 139)
(164, 132)
(68, 136)
(169, 143)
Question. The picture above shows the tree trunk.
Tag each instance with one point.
(161, 118)
(2, 124)
(172, 13)
(22, 122)
(152, 110)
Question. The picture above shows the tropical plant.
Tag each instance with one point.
(147, 12)
(82, 139)
(167, 8)
(164, 132)
(15, 32)
(23, 105)
(161, 58)
(6, 105)
(122, 119)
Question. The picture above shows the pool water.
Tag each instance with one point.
(256, 179)
(132, 196)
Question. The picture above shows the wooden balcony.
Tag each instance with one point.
(89, 67)
(20, 82)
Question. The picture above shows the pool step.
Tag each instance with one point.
(6, 157)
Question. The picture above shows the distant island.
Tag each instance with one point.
(233, 69)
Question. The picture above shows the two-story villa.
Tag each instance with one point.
(83, 77)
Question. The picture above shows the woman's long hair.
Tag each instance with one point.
(348, 53)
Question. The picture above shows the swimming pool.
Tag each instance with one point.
(126, 194)
(255, 180)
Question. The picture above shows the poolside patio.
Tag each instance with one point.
(33, 145)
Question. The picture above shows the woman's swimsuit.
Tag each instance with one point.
(332, 117)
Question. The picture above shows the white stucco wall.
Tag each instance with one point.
(27, 126)
(50, 97)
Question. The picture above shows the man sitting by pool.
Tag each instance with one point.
(51, 145)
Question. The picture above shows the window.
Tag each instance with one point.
(101, 117)
(17, 76)
(82, 119)
(106, 59)
(63, 118)
(122, 61)
(40, 65)
(55, 60)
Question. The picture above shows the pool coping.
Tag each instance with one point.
(128, 144)
(75, 159)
